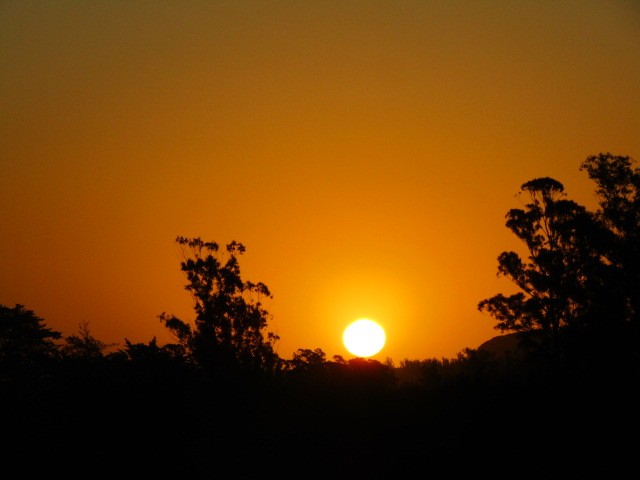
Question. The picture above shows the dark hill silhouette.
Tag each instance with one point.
(500, 345)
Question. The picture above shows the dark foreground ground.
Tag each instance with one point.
(106, 426)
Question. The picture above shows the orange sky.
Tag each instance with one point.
(365, 153)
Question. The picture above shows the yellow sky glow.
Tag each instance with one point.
(365, 153)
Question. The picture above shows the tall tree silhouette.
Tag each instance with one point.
(230, 325)
(581, 280)
(618, 194)
(553, 281)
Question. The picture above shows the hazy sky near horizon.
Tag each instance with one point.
(364, 152)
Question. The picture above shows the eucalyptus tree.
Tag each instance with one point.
(553, 279)
(229, 330)
(581, 277)
(618, 193)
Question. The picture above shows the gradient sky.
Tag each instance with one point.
(365, 153)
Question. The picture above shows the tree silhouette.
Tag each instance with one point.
(306, 358)
(552, 281)
(84, 344)
(580, 280)
(230, 325)
(618, 194)
(25, 340)
(141, 352)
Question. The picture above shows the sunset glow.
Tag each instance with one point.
(365, 153)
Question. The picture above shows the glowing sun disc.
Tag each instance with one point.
(364, 338)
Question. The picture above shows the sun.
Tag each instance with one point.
(364, 338)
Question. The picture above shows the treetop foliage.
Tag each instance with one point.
(230, 324)
(581, 276)
(24, 337)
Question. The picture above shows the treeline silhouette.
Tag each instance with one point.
(559, 400)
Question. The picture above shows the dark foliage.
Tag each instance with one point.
(579, 286)
(229, 333)
(25, 341)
